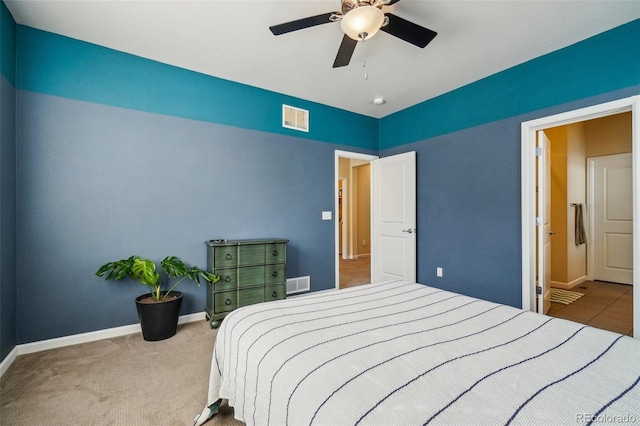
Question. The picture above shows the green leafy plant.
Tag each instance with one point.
(144, 270)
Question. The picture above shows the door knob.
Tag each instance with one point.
(410, 231)
(552, 232)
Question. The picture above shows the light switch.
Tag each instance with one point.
(326, 215)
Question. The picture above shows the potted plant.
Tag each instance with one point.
(158, 310)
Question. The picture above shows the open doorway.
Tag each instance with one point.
(530, 232)
(590, 268)
(353, 218)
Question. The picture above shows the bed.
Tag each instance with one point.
(401, 353)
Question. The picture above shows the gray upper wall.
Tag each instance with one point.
(99, 183)
(468, 204)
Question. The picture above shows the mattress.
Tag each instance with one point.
(401, 353)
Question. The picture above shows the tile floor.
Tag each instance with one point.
(604, 305)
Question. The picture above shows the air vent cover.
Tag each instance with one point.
(298, 285)
(295, 118)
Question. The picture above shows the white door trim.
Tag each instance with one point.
(336, 169)
(544, 230)
(345, 196)
(528, 192)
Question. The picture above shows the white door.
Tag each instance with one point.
(611, 178)
(393, 218)
(544, 224)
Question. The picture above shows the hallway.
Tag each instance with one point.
(355, 272)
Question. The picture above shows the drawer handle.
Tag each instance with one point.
(228, 256)
(274, 274)
(274, 294)
(227, 302)
(227, 279)
(275, 252)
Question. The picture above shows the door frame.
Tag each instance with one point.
(336, 169)
(544, 230)
(528, 191)
(345, 194)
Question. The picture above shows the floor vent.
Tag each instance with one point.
(298, 285)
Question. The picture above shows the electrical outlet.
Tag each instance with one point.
(438, 271)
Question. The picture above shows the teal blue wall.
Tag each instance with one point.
(600, 64)
(7, 45)
(467, 145)
(93, 124)
(87, 72)
(8, 283)
(120, 155)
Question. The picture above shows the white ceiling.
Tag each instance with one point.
(231, 40)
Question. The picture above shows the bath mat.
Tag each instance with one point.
(564, 296)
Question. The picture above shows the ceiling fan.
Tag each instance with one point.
(361, 20)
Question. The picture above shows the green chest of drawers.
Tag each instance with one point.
(251, 271)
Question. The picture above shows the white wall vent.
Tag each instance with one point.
(298, 285)
(295, 118)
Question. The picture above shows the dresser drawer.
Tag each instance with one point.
(224, 257)
(249, 276)
(225, 301)
(275, 292)
(251, 254)
(274, 273)
(249, 296)
(228, 279)
(275, 252)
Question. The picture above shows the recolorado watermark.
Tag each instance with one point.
(606, 418)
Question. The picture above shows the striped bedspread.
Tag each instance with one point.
(400, 353)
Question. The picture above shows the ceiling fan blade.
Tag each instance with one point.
(392, 2)
(408, 31)
(345, 52)
(301, 24)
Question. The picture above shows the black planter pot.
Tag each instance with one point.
(159, 320)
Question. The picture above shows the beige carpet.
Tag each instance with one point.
(118, 381)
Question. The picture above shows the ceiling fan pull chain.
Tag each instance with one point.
(364, 58)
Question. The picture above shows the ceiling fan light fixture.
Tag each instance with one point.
(362, 22)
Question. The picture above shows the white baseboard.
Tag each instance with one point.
(6, 363)
(356, 256)
(76, 339)
(569, 285)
